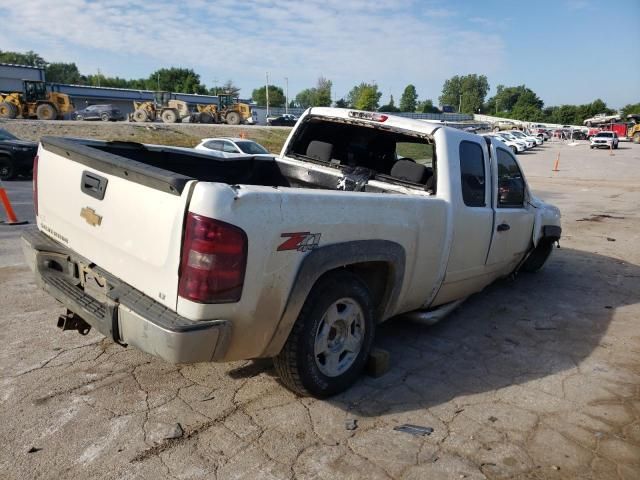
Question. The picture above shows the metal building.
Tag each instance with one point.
(11, 76)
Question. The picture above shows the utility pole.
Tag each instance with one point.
(267, 93)
(286, 95)
(460, 105)
(99, 74)
(158, 78)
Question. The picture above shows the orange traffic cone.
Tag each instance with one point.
(557, 164)
(12, 219)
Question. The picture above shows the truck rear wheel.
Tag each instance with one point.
(636, 137)
(8, 110)
(233, 118)
(329, 344)
(206, 117)
(46, 111)
(169, 116)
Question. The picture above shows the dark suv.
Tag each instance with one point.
(16, 156)
(99, 112)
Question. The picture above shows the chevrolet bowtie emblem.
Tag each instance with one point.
(90, 215)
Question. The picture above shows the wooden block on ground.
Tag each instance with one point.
(377, 363)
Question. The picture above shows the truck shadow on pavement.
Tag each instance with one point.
(538, 327)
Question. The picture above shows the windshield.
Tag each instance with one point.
(252, 148)
(4, 135)
(517, 134)
(604, 134)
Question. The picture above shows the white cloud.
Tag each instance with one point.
(347, 41)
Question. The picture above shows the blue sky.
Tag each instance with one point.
(567, 51)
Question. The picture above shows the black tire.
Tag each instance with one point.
(514, 150)
(8, 110)
(636, 137)
(615, 147)
(538, 257)
(46, 111)
(169, 116)
(7, 169)
(297, 364)
(589, 124)
(140, 115)
(233, 118)
(79, 118)
(105, 117)
(206, 117)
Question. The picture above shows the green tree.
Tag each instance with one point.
(276, 96)
(342, 103)
(183, 80)
(389, 107)
(409, 99)
(427, 107)
(365, 96)
(305, 98)
(467, 92)
(631, 108)
(319, 96)
(63, 73)
(29, 58)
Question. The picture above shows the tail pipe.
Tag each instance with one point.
(71, 321)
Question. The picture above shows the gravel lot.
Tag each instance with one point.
(533, 378)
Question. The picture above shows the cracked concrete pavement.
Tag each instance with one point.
(533, 378)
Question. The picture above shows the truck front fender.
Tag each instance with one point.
(339, 255)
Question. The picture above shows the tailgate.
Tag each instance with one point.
(122, 215)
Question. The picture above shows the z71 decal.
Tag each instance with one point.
(300, 241)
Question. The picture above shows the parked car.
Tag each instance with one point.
(298, 257)
(286, 120)
(105, 113)
(528, 143)
(523, 136)
(604, 139)
(16, 156)
(233, 147)
(601, 118)
(503, 125)
(515, 147)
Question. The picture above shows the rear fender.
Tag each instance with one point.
(331, 257)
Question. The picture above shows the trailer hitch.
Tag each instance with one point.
(71, 321)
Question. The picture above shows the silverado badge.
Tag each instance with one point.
(90, 215)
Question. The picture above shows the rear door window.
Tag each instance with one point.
(472, 174)
(229, 147)
(510, 181)
(214, 145)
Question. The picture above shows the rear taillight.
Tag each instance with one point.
(35, 184)
(214, 259)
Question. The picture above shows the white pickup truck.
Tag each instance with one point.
(361, 218)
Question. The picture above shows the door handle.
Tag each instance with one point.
(503, 227)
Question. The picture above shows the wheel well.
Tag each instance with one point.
(378, 276)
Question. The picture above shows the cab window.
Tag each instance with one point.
(510, 181)
(229, 147)
(472, 175)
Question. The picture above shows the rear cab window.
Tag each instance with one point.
(389, 155)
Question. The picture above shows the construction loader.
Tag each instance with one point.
(35, 102)
(227, 110)
(168, 109)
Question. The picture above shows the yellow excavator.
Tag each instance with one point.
(227, 110)
(163, 106)
(35, 102)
